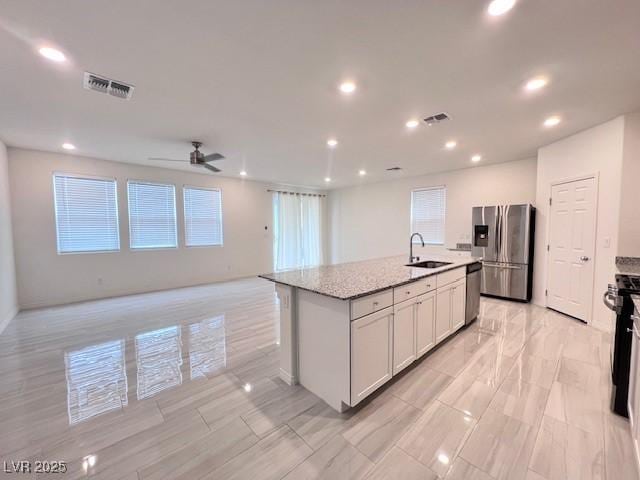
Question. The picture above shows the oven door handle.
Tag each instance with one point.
(610, 305)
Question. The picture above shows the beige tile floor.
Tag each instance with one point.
(184, 385)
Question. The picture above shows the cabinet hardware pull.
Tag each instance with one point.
(375, 304)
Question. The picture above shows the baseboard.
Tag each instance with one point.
(7, 318)
(287, 378)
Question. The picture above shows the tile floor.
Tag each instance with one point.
(184, 385)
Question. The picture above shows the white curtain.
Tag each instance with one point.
(297, 231)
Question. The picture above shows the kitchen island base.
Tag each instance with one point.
(343, 350)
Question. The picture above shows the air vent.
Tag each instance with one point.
(101, 84)
(437, 118)
(393, 169)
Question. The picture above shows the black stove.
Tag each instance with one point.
(628, 284)
(618, 299)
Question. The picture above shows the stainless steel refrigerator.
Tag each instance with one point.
(503, 236)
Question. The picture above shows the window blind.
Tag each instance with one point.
(428, 214)
(86, 212)
(202, 217)
(152, 215)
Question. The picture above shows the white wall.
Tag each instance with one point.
(629, 229)
(373, 220)
(46, 278)
(8, 299)
(594, 151)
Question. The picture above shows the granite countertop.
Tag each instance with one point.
(347, 281)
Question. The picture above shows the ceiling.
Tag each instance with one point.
(257, 81)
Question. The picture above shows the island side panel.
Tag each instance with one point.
(287, 297)
(324, 334)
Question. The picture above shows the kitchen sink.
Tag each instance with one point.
(428, 264)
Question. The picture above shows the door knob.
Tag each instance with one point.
(584, 259)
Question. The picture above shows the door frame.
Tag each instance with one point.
(553, 183)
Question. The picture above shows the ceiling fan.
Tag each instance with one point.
(197, 158)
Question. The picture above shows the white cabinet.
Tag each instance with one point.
(450, 308)
(425, 319)
(404, 330)
(458, 304)
(371, 353)
(371, 303)
(443, 313)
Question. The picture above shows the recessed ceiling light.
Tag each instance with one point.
(68, 146)
(500, 7)
(247, 387)
(52, 54)
(552, 121)
(347, 87)
(413, 123)
(450, 145)
(332, 142)
(536, 84)
(243, 173)
(476, 158)
(362, 173)
(327, 179)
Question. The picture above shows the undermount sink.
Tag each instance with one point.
(428, 264)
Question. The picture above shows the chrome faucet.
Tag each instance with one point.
(411, 257)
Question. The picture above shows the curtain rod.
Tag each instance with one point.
(297, 193)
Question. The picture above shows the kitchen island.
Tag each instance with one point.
(347, 329)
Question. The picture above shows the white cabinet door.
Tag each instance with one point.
(425, 318)
(404, 340)
(443, 313)
(458, 303)
(371, 353)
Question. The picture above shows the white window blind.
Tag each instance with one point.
(202, 217)
(428, 214)
(86, 214)
(152, 215)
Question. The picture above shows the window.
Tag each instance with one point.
(86, 214)
(427, 214)
(152, 215)
(297, 230)
(202, 217)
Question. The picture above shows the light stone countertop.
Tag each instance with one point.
(347, 281)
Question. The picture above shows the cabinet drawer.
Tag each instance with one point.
(410, 290)
(371, 303)
(450, 276)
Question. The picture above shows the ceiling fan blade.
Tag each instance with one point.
(167, 159)
(211, 167)
(213, 156)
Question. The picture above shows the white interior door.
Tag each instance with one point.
(572, 229)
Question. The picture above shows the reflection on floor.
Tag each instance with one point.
(184, 385)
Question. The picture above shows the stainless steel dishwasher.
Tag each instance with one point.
(473, 292)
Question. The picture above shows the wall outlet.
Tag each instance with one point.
(606, 243)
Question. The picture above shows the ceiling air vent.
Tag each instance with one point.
(106, 85)
(393, 169)
(437, 118)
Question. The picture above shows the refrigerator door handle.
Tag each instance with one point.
(502, 265)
